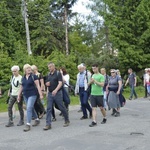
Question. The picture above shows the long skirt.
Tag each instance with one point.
(113, 100)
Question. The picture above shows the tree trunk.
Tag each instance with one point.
(66, 30)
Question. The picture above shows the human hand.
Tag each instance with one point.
(47, 83)
(54, 92)
(118, 92)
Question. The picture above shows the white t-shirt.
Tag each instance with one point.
(146, 77)
(66, 79)
(15, 83)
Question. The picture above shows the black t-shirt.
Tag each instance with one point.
(40, 76)
(54, 79)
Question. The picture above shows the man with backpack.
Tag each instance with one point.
(83, 77)
(54, 94)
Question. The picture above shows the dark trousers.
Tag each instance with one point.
(58, 99)
(145, 90)
(11, 102)
(38, 106)
(132, 90)
(84, 102)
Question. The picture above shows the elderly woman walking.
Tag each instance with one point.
(16, 79)
(30, 88)
(113, 90)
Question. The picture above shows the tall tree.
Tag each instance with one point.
(11, 26)
(46, 31)
(128, 22)
(63, 8)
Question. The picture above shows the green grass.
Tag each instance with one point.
(139, 90)
(75, 99)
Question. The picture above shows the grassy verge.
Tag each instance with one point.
(75, 100)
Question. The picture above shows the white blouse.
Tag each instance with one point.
(66, 79)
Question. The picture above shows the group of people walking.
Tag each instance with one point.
(30, 88)
(95, 89)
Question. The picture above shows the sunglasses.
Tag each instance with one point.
(112, 72)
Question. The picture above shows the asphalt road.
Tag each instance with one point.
(130, 131)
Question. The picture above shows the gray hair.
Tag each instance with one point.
(15, 68)
(51, 63)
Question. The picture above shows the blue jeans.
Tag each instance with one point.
(30, 108)
(132, 90)
(84, 102)
(58, 99)
(148, 89)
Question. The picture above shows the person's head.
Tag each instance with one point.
(51, 66)
(63, 70)
(81, 68)
(83, 64)
(95, 68)
(118, 72)
(34, 68)
(103, 71)
(113, 72)
(129, 70)
(27, 69)
(146, 70)
(15, 70)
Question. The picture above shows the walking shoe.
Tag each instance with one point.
(47, 127)
(117, 114)
(93, 124)
(37, 122)
(66, 124)
(27, 128)
(9, 124)
(21, 122)
(41, 115)
(83, 117)
(113, 112)
(130, 98)
(53, 119)
(104, 121)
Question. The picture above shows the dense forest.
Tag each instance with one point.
(115, 35)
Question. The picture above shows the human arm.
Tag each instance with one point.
(135, 79)
(42, 84)
(119, 86)
(57, 88)
(99, 82)
(38, 88)
(127, 81)
(19, 94)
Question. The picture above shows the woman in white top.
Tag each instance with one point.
(66, 78)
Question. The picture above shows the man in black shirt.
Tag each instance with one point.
(54, 94)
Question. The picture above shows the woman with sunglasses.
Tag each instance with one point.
(113, 90)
